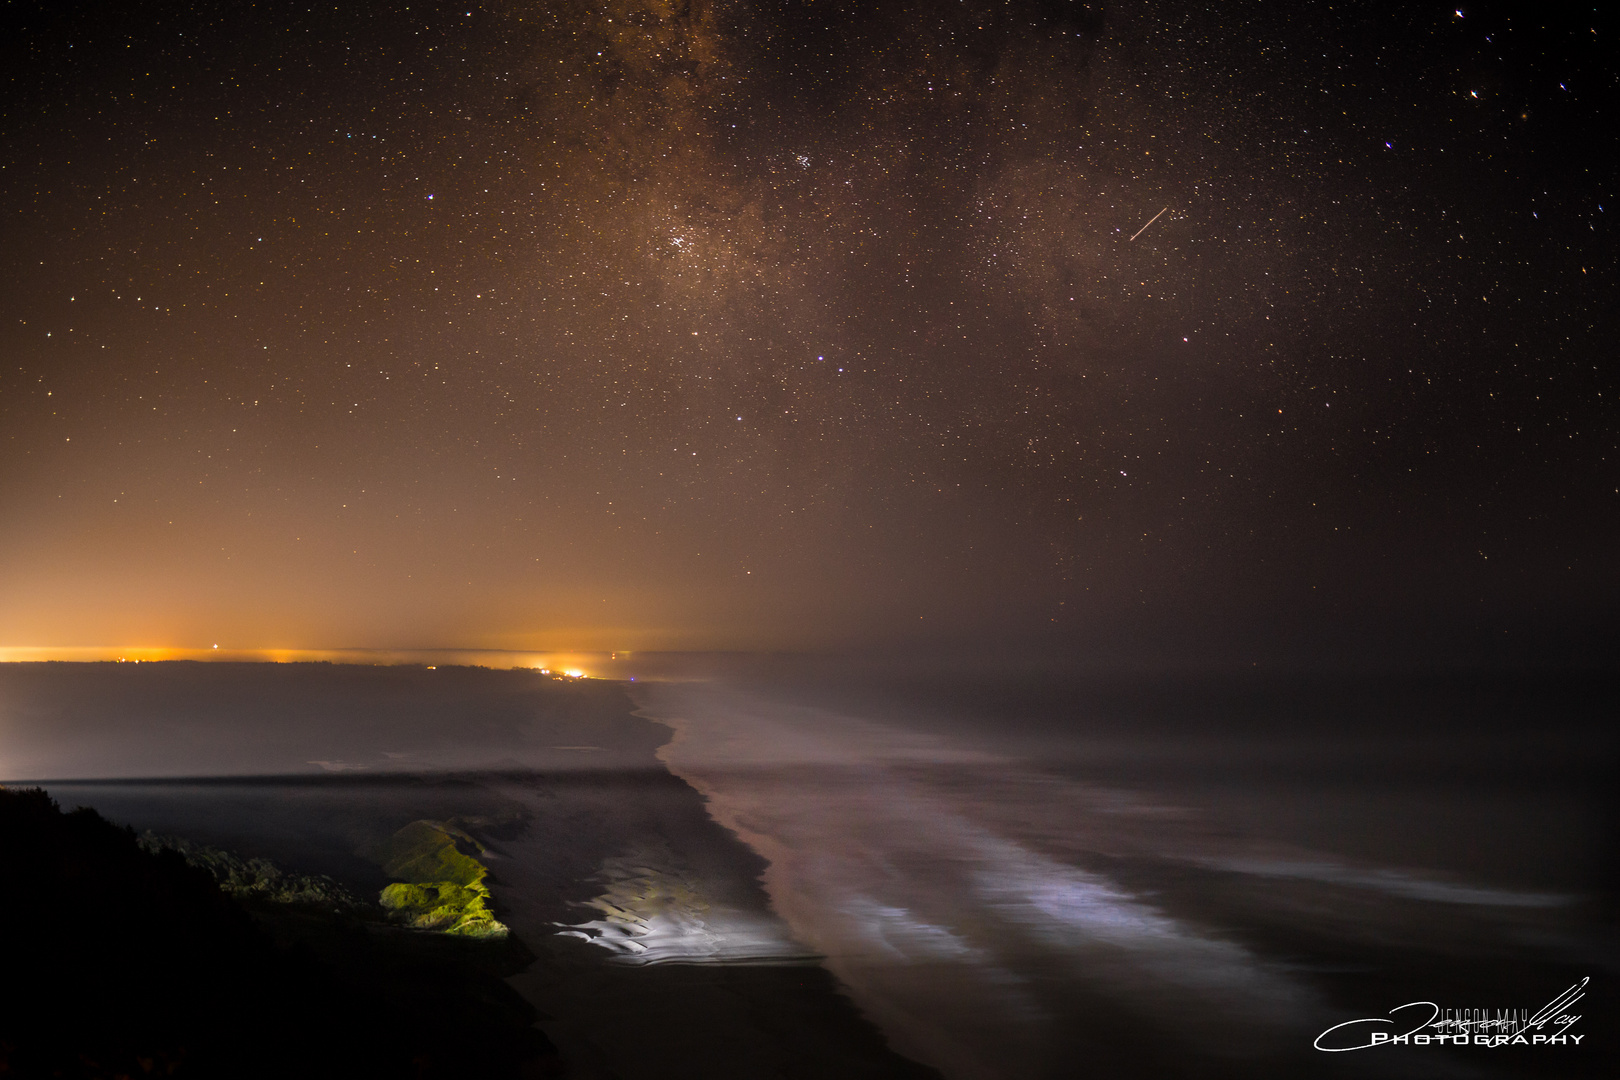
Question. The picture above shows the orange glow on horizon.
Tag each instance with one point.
(576, 665)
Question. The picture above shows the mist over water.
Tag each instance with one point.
(121, 721)
(1009, 891)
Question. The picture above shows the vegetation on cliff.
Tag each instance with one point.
(258, 879)
(442, 884)
(122, 960)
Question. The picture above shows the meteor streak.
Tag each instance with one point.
(1151, 220)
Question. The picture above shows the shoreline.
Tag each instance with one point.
(572, 836)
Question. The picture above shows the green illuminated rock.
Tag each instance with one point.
(442, 882)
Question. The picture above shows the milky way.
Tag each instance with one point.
(640, 324)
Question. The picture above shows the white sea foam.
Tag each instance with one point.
(938, 921)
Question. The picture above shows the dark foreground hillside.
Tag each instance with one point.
(121, 961)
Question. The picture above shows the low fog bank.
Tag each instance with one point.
(1046, 707)
(180, 718)
(1502, 773)
(1489, 725)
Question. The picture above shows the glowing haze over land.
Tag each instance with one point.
(639, 325)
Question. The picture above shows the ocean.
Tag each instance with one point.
(790, 867)
(1148, 876)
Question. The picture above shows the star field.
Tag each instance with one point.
(646, 324)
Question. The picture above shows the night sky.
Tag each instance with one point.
(642, 324)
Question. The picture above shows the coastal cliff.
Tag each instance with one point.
(126, 959)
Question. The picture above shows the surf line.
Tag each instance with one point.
(1151, 220)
